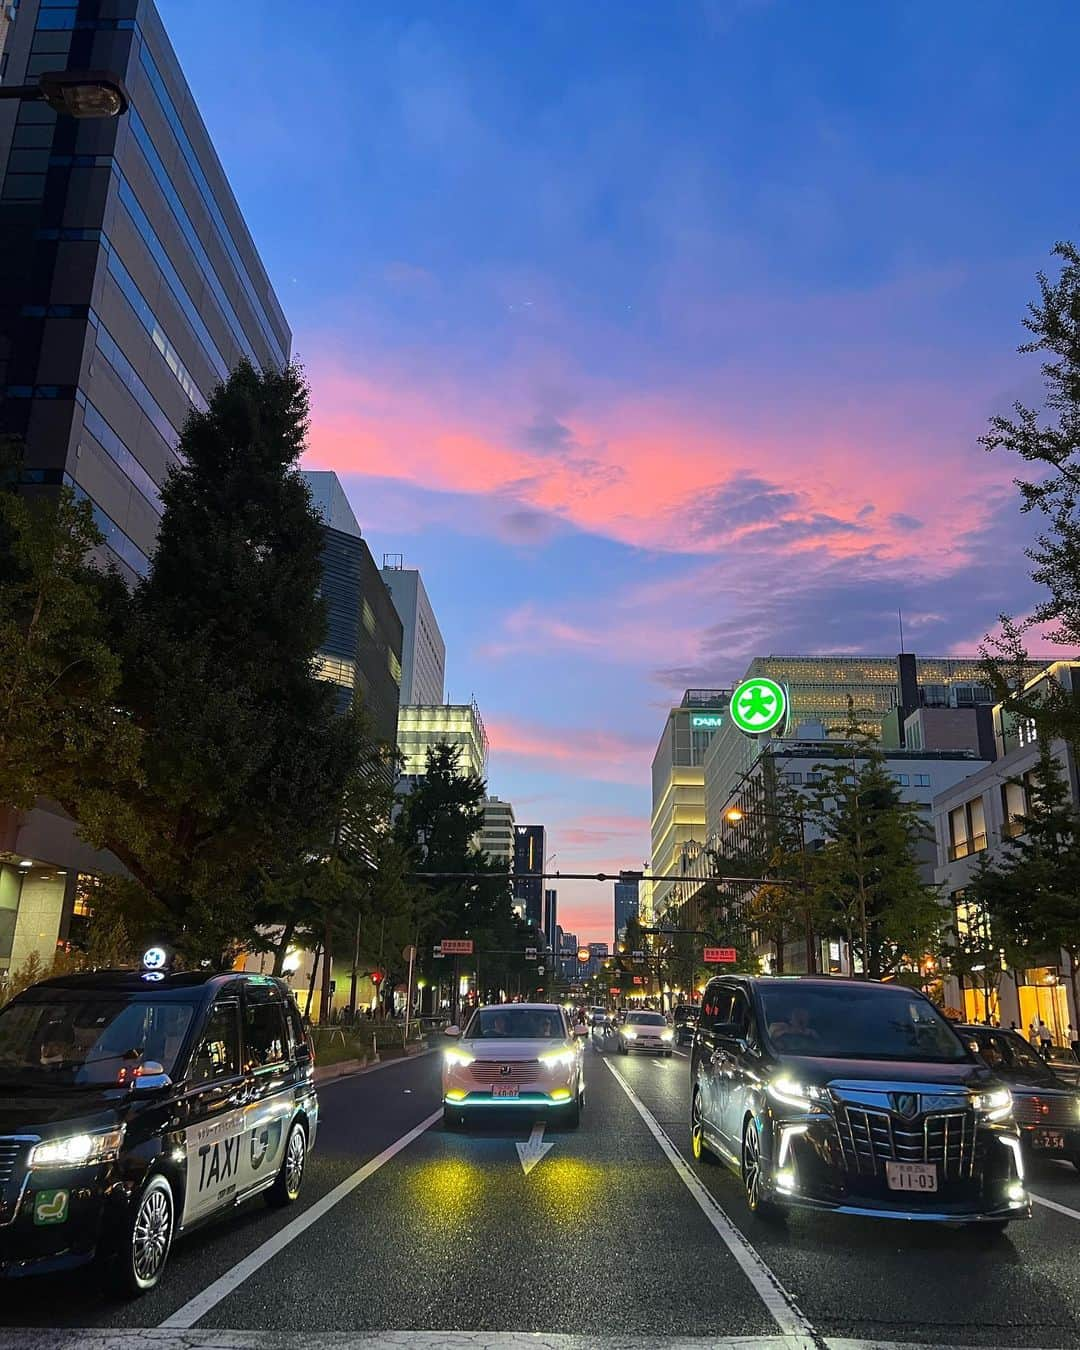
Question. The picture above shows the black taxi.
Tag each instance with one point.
(137, 1104)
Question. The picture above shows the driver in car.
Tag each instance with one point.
(798, 1025)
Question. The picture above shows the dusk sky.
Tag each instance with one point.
(656, 335)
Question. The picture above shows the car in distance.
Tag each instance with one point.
(137, 1105)
(684, 1019)
(645, 1031)
(1046, 1108)
(855, 1097)
(514, 1055)
(597, 1017)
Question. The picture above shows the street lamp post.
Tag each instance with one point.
(734, 815)
(74, 93)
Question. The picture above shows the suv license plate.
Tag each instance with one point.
(903, 1176)
(504, 1090)
(1048, 1139)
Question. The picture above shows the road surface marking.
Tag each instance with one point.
(780, 1304)
(531, 1152)
(212, 1295)
(1053, 1204)
(135, 1338)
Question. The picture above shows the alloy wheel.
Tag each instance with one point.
(751, 1166)
(295, 1156)
(150, 1235)
(697, 1143)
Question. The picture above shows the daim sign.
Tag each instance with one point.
(758, 705)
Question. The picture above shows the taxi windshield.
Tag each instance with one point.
(89, 1042)
(516, 1024)
(847, 1022)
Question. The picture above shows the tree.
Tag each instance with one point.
(1052, 446)
(1033, 892)
(864, 879)
(61, 731)
(242, 758)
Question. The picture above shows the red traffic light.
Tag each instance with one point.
(376, 977)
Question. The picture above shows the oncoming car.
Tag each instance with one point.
(514, 1055)
(852, 1096)
(646, 1031)
(135, 1106)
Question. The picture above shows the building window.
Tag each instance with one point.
(395, 666)
(921, 780)
(1015, 806)
(967, 829)
(368, 616)
(902, 779)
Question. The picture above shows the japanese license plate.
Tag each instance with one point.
(504, 1090)
(1049, 1139)
(903, 1176)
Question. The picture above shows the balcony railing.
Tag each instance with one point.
(963, 847)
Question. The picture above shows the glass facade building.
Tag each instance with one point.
(421, 726)
(530, 846)
(423, 651)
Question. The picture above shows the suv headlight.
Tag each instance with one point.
(629, 1035)
(558, 1059)
(668, 1035)
(78, 1150)
(995, 1104)
(802, 1096)
(458, 1059)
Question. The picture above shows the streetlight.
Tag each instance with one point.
(74, 93)
(734, 814)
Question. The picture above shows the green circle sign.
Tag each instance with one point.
(758, 705)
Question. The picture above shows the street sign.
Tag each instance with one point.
(758, 705)
(584, 955)
(530, 953)
(639, 957)
(437, 950)
(614, 989)
(408, 953)
(639, 979)
(457, 946)
(720, 956)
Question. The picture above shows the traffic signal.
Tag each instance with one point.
(376, 977)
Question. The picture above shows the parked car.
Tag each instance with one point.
(1065, 1064)
(1047, 1109)
(851, 1096)
(685, 1019)
(136, 1105)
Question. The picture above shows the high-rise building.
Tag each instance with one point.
(551, 911)
(361, 652)
(497, 833)
(423, 652)
(7, 16)
(421, 726)
(129, 288)
(678, 782)
(529, 850)
(626, 907)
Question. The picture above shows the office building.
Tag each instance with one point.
(423, 652)
(551, 911)
(129, 288)
(973, 819)
(626, 907)
(361, 652)
(422, 726)
(529, 850)
(7, 18)
(497, 833)
(678, 783)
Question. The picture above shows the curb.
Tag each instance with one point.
(353, 1068)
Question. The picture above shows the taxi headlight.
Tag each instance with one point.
(668, 1035)
(629, 1035)
(803, 1096)
(558, 1059)
(457, 1058)
(78, 1150)
(995, 1105)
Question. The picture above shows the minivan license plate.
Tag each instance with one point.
(903, 1176)
(1048, 1139)
(504, 1090)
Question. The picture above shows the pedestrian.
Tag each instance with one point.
(1074, 1041)
(1046, 1039)
(1013, 1027)
(1033, 1032)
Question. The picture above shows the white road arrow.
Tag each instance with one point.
(531, 1153)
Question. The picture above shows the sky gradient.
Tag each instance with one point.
(658, 336)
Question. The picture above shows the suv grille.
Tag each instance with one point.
(10, 1148)
(868, 1138)
(1052, 1111)
(490, 1070)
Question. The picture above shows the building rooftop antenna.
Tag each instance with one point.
(900, 616)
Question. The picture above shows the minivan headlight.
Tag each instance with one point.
(78, 1150)
(803, 1096)
(456, 1058)
(995, 1104)
(559, 1059)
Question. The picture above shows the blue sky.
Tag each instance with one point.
(658, 335)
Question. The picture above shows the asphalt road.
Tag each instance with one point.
(409, 1235)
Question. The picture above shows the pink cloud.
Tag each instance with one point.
(590, 753)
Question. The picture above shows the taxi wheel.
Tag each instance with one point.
(286, 1189)
(148, 1235)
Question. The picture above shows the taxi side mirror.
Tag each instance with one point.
(452, 1031)
(151, 1075)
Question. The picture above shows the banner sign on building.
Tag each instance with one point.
(457, 946)
(758, 705)
(706, 721)
(720, 956)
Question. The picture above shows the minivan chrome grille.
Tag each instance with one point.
(869, 1138)
(10, 1149)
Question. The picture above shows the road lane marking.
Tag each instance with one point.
(135, 1338)
(211, 1296)
(1053, 1204)
(782, 1307)
(530, 1153)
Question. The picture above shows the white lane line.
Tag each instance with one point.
(1053, 1204)
(212, 1295)
(784, 1310)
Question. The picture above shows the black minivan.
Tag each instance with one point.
(852, 1096)
(134, 1105)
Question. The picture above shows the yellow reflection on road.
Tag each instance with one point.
(566, 1189)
